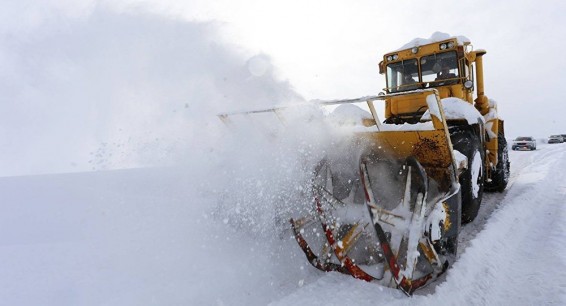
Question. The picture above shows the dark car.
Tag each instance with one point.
(524, 143)
(555, 139)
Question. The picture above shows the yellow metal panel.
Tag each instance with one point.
(456, 91)
(431, 148)
(406, 105)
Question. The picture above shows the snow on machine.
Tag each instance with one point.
(388, 208)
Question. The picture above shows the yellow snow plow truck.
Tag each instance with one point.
(390, 212)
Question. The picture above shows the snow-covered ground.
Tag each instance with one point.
(158, 237)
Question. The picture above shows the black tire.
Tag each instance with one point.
(468, 143)
(500, 176)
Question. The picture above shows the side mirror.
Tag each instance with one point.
(468, 84)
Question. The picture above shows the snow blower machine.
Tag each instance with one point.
(391, 211)
(387, 205)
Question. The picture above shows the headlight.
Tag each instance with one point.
(450, 45)
(389, 58)
(442, 46)
(395, 57)
(415, 50)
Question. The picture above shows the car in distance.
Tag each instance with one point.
(524, 142)
(555, 139)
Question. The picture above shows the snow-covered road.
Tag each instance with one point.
(152, 237)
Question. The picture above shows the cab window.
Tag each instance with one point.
(440, 69)
(402, 76)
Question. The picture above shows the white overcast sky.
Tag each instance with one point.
(331, 49)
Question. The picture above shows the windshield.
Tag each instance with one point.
(523, 139)
(436, 70)
(440, 69)
(403, 76)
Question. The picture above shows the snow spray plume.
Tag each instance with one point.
(267, 168)
(269, 172)
(106, 90)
